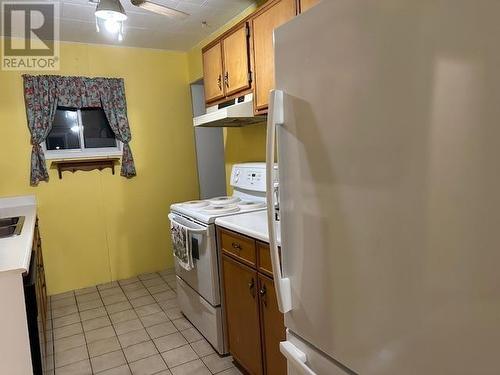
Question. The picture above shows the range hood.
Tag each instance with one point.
(237, 112)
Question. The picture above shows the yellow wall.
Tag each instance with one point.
(241, 144)
(97, 227)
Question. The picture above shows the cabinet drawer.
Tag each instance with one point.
(239, 246)
(264, 254)
(265, 265)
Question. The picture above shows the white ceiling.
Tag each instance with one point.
(150, 30)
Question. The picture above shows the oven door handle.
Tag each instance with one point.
(190, 230)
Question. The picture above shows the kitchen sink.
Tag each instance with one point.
(11, 226)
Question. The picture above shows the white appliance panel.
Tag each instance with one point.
(388, 166)
(250, 177)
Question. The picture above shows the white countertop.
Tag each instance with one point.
(252, 224)
(15, 252)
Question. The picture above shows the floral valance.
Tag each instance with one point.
(44, 93)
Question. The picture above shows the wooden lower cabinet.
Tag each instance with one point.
(273, 327)
(41, 299)
(242, 314)
(255, 324)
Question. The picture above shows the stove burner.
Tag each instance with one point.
(220, 209)
(196, 204)
(248, 205)
(224, 200)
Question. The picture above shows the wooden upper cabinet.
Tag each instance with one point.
(306, 4)
(263, 26)
(236, 61)
(213, 73)
(273, 328)
(242, 314)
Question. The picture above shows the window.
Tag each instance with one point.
(81, 133)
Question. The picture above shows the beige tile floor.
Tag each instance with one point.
(132, 326)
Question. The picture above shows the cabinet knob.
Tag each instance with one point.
(251, 286)
(226, 79)
(219, 82)
(236, 246)
(263, 292)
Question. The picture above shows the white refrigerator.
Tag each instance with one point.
(387, 124)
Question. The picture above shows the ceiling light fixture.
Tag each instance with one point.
(112, 14)
(110, 10)
(160, 9)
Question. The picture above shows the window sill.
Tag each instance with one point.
(79, 155)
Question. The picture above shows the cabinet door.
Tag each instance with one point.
(212, 73)
(262, 30)
(41, 288)
(236, 64)
(242, 314)
(273, 328)
(306, 4)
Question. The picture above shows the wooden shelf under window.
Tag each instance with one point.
(74, 165)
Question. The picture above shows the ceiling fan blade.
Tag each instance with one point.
(160, 9)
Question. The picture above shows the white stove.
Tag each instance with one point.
(249, 185)
(198, 290)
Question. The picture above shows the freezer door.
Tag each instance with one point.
(389, 183)
(304, 359)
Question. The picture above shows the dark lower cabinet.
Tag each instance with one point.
(273, 327)
(242, 312)
(32, 315)
(35, 294)
(255, 324)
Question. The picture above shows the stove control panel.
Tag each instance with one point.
(249, 176)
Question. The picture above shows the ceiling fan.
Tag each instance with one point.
(160, 9)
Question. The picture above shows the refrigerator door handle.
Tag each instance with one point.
(295, 357)
(275, 117)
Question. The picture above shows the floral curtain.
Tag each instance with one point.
(112, 94)
(43, 94)
(40, 95)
